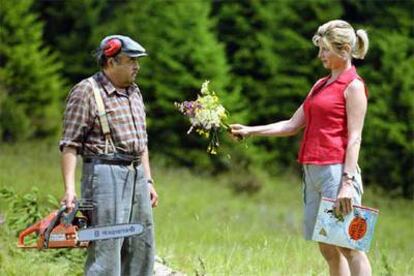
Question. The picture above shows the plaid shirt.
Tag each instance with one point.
(125, 113)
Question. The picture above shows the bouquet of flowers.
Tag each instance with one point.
(207, 116)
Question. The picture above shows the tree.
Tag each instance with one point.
(71, 34)
(387, 153)
(271, 56)
(183, 52)
(269, 48)
(28, 74)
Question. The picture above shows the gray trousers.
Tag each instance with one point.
(119, 194)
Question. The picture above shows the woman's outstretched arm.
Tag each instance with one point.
(283, 128)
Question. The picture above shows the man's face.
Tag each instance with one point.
(125, 69)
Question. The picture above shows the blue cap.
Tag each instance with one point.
(129, 46)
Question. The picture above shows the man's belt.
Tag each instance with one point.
(112, 160)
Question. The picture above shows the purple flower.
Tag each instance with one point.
(189, 108)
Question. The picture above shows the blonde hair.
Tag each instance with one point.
(335, 34)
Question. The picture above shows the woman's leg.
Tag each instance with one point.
(358, 262)
(338, 265)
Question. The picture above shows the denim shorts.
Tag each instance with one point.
(323, 181)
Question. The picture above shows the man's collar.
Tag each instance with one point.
(106, 83)
(110, 88)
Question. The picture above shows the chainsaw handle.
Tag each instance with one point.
(52, 224)
(26, 232)
(68, 218)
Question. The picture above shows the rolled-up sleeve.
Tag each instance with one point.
(77, 117)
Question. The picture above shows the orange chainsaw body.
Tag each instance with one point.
(55, 231)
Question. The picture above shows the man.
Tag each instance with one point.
(116, 175)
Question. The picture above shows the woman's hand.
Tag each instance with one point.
(344, 200)
(238, 130)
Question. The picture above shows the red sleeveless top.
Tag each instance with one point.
(325, 138)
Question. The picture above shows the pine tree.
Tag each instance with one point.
(269, 48)
(70, 33)
(387, 153)
(28, 74)
(183, 52)
(271, 56)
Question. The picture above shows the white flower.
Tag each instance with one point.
(206, 115)
(204, 88)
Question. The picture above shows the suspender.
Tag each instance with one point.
(103, 119)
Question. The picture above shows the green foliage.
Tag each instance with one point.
(202, 227)
(391, 107)
(71, 35)
(387, 153)
(270, 53)
(257, 54)
(21, 212)
(244, 182)
(24, 210)
(177, 65)
(28, 73)
(14, 123)
(261, 234)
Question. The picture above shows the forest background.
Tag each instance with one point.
(238, 212)
(257, 54)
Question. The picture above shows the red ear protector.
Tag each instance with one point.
(112, 47)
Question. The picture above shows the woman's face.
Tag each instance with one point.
(330, 59)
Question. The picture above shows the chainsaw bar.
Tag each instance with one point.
(109, 232)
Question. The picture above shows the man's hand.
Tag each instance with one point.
(343, 203)
(153, 196)
(69, 200)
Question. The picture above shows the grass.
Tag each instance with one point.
(203, 228)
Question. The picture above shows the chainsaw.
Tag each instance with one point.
(61, 229)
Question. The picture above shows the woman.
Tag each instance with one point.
(333, 117)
